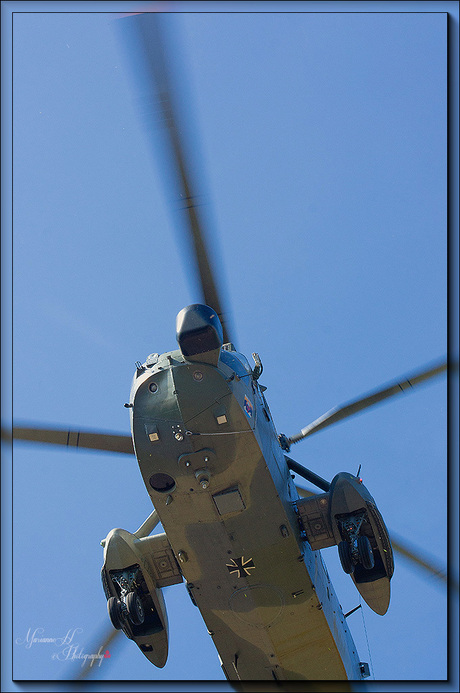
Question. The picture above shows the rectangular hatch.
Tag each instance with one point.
(229, 501)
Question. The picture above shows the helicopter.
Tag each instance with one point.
(266, 369)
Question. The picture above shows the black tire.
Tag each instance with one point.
(135, 608)
(345, 557)
(114, 609)
(366, 555)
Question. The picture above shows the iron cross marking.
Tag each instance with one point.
(240, 566)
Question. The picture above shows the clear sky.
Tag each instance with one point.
(322, 135)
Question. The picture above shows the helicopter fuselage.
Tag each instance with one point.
(211, 462)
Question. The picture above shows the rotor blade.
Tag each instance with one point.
(350, 408)
(71, 438)
(149, 45)
(90, 663)
(400, 547)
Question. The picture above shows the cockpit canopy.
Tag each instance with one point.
(236, 361)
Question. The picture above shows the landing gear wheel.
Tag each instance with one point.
(135, 608)
(115, 612)
(345, 556)
(366, 555)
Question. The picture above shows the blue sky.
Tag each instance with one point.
(322, 136)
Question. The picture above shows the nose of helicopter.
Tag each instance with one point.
(199, 333)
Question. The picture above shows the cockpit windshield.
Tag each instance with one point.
(237, 362)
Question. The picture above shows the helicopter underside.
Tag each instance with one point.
(226, 503)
